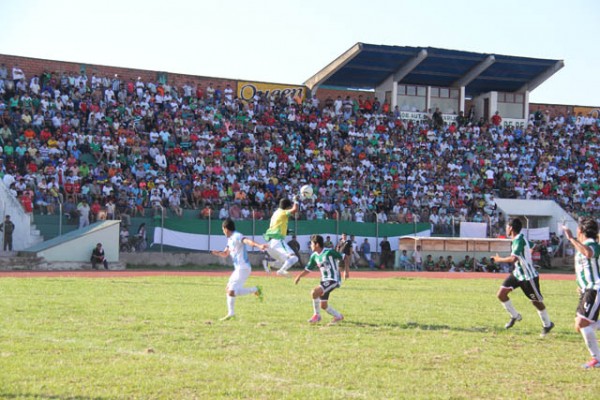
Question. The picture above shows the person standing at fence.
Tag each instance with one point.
(345, 248)
(8, 227)
(386, 253)
(417, 259)
(275, 235)
(587, 274)
(524, 276)
(295, 245)
(365, 249)
(355, 257)
(236, 248)
(83, 209)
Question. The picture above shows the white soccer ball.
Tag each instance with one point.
(306, 192)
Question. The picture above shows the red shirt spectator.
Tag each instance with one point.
(496, 119)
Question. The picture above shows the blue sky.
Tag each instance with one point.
(287, 42)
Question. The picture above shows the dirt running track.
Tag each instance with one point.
(353, 274)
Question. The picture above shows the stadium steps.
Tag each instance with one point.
(13, 260)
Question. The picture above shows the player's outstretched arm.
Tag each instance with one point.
(508, 259)
(300, 275)
(223, 253)
(250, 242)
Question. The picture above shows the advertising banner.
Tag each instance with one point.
(514, 123)
(594, 111)
(247, 90)
(419, 117)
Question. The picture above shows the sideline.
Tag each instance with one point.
(353, 274)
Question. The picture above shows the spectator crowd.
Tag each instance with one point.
(128, 147)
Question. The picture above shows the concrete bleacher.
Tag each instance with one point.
(72, 250)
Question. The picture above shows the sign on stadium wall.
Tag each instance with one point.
(514, 122)
(419, 117)
(587, 110)
(247, 90)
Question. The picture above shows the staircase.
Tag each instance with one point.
(13, 261)
(26, 233)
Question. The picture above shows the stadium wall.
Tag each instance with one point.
(36, 66)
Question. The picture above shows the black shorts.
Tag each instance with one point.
(328, 287)
(589, 305)
(531, 288)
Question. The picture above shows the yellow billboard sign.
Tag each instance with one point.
(594, 111)
(247, 90)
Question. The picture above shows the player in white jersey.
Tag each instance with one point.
(524, 276)
(587, 272)
(236, 248)
(327, 260)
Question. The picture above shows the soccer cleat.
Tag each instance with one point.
(593, 363)
(227, 318)
(337, 319)
(315, 318)
(546, 330)
(513, 320)
(259, 293)
(266, 266)
(284, 273)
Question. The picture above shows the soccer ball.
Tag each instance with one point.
(306, 192)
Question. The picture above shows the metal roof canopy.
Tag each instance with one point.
(365, 66)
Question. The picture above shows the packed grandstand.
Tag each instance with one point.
(136, 145)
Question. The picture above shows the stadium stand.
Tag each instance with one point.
(130, 145)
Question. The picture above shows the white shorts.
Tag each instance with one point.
(279, 250)
(238, 278)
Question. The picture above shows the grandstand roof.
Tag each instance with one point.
(365, 66)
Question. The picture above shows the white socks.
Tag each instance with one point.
(332, 312)
(230, 305)
(589, 337)
(511, 310)
(544, 317)
(317, 306)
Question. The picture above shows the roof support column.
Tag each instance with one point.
(474, 72)
(526, 107)
(394, 95)
(538, 80)
(403, 71)
(427, 99)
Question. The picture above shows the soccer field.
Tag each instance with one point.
(161, 338)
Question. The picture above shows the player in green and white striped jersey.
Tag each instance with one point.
(327, 260)
(587, 274)
(524, 276)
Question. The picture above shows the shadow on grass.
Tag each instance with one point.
(416, 325)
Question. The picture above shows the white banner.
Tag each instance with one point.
(537, 234)
(514, 122)
(195, 241)
(420, 116)
(473, 229)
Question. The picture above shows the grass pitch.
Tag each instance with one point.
(161, 338)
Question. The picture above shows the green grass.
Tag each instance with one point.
(160, 338)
